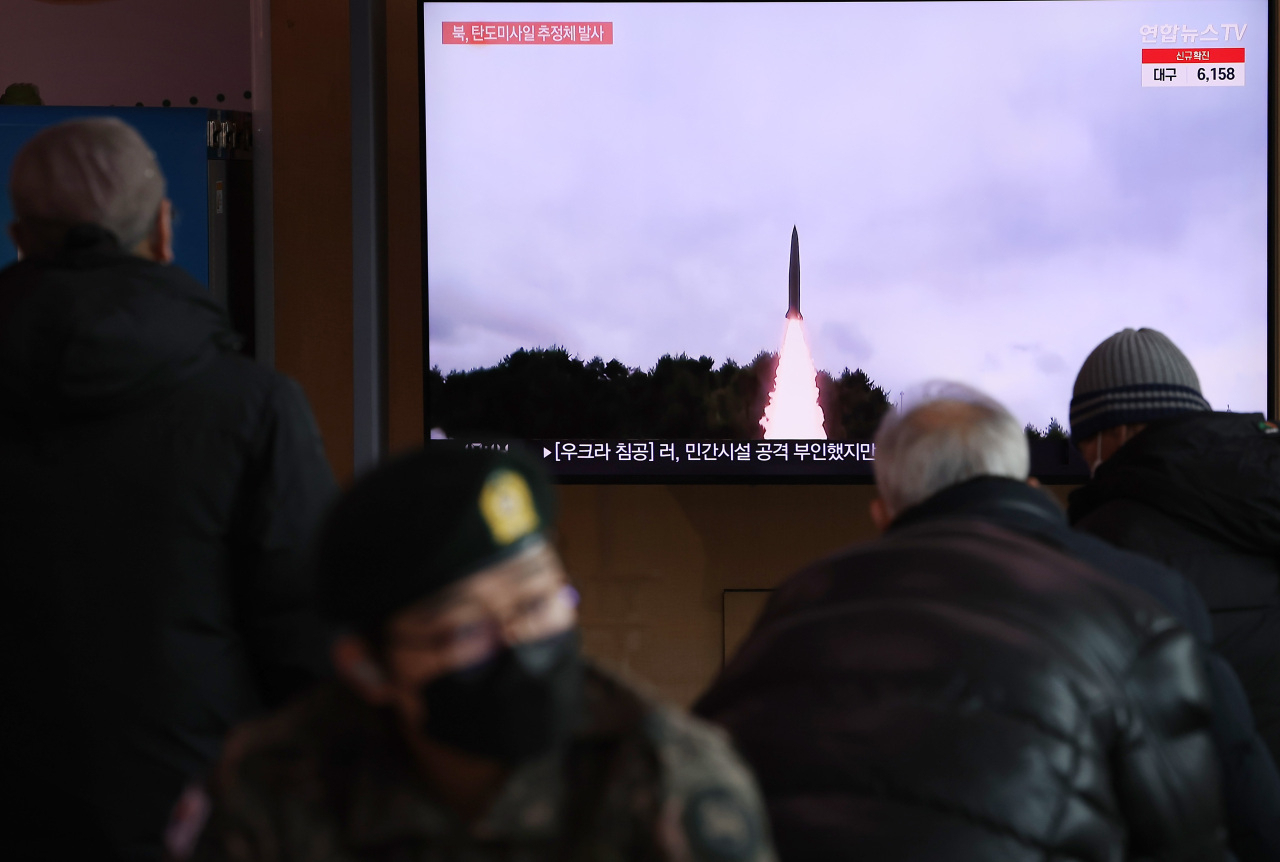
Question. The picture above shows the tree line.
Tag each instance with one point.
(547, 393)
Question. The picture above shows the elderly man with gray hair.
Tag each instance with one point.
(90, 172)
(159, 492)
(961, 688)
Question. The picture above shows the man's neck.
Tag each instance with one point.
(994, 497)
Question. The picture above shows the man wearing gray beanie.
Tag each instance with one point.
(1196, 489)
(158, 491)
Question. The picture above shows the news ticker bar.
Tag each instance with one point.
(706, 457)
(693, 459)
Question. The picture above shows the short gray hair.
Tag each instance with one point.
(97, 171)
(944, 434)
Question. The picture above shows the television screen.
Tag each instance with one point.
(698, 240)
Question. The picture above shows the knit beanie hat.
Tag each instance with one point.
(425, 521)
(1134, 376)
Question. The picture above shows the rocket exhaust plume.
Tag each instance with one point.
(793, 411)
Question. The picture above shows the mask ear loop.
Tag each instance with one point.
(1097, 455)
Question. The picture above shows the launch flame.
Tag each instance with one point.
(793, 411)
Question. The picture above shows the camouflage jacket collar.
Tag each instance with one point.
(390, 802)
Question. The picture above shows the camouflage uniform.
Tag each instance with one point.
(330, 780)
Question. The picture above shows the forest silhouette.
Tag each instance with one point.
(546, 393)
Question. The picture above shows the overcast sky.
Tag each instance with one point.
(983, 191)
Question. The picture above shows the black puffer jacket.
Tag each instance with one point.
(955, 691)
(1201, 493)
(1250, 784)
(157, 495)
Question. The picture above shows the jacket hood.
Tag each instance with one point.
(95, 329)
(1217, 472)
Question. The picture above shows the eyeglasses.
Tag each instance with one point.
(473, 640)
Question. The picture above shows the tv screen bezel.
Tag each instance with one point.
(1052, 463)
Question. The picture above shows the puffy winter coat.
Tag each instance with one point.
(1251, 786)
(955, 691)
(157, 495)
(1201, 494)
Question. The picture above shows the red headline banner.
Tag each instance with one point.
(1193, 55)
(527, 32)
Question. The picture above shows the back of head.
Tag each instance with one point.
(92, 171)
(1135, 376)
(422, 522)
(945, 434)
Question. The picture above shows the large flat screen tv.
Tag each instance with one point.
(718, 241)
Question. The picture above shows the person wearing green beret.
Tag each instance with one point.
(465, 723)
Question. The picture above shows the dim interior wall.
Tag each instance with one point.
(652, 563)
(311, 89)
(405, 418)
(311, 162)
(128, 51)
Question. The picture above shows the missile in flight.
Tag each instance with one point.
(793, 278)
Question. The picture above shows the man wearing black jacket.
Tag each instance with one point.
(1250, 782)
(157, 492)
(1195, 489)
(966, 687)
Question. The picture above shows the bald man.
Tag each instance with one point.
(159, 490)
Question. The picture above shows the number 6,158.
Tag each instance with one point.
(1216, 73)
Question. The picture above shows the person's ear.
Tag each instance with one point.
(1033, 481)
(159, 243)
(880, 515)
(1083, 447)
(354, 662)
(164, 232)
(15, 234)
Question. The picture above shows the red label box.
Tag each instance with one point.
(1164, 56)
(526, 33)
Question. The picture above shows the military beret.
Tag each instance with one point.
(419, 523)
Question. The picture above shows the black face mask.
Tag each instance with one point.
(513, 706)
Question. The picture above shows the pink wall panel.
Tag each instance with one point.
(120, 52)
